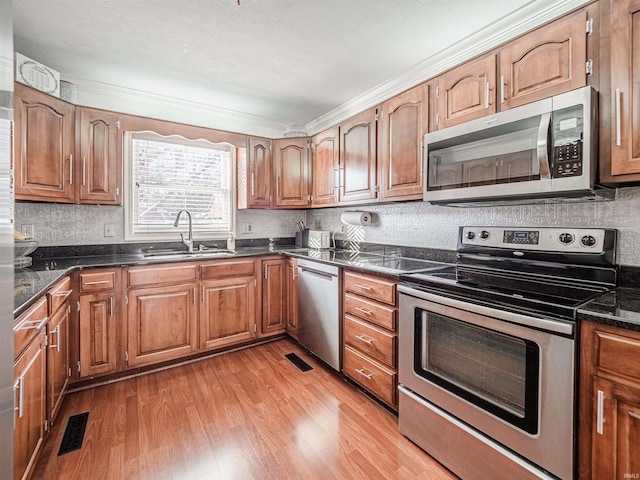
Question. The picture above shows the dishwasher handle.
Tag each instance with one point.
(324, 275)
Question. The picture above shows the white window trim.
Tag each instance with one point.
(198, 232)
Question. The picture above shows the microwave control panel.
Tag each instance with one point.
(567, 134)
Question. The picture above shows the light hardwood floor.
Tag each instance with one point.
(242, 415)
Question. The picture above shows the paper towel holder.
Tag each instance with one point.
(356, 217)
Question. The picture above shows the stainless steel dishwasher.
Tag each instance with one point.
(319, 310)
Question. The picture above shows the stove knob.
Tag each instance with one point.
(471, 235)
(484, 234)
(566, 238)
(588, 241)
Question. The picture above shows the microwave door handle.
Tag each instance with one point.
(542, 147)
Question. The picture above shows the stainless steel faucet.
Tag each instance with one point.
(189, 241)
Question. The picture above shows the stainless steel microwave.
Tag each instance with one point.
(540, 151)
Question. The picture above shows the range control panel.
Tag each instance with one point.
(550, 239)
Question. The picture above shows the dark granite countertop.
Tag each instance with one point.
(619, 308)
(33, 282)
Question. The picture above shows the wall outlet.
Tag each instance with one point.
(246, 227)
(27, 229)
(109, 230)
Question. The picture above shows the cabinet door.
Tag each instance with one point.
(259, 173)
(358, 159)
(402, 128)
(291, 297)
(291, 171)
(545, 62)
(97, 334)
(100, 156)
(325, 164)
(57, 359)
(227, 311)
(161, 324)
(44, 146)
(616, 430)
(30, 404)
(625, 86)
(465, 93)
(273, 302)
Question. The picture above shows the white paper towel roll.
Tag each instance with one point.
(356, 218)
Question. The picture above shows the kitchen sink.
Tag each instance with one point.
(164, 254)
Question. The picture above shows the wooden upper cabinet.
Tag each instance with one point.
(545, 62)
(99, 150)
(325, 163)
(44, 147)
(358, 159)
(291, 172)
(259, 162)
(404, 122)
(465, 93)
(624, 126)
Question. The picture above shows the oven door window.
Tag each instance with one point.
(496, 372)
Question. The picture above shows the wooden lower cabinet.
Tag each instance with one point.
(161, 323)
(609, 403)
(291, 297)
(227, 311)
(97, 334)
(273, 299)
(30, 406)
(57, 359)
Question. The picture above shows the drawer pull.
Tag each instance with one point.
(33, 324)
(366, 312)
(600, 413)
(56, 345)
(364, 287)
(634, 415)
(63, 294)
(364, 339)
(97, 282)
(361, 371)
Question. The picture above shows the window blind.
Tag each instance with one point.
(169, 174)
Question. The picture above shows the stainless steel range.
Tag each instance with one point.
(487, 366)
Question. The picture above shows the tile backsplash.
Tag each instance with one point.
(415, 224)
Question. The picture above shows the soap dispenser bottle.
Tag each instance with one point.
(231, 242)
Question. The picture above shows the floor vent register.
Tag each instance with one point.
(298, 362)
(74, 433)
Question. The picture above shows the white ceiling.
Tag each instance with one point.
(282, 61)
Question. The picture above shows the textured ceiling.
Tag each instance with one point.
(285, 60)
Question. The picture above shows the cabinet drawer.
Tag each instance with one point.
(373, 312)
(618, 353)
(371, 375)
(28, 325)
(223, 268)
(97, 281)
(371, 287)
(168, 273)
(376, 343)
(58, 294)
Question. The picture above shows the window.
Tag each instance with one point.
(168, 174)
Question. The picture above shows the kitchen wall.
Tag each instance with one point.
(63, 224)
(423, 225)
(411, 224)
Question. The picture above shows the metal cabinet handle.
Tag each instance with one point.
(486, 95)
(364, 287)
(21, 397)
(600, 413)
(253, 181)
(64, 294)
(111, 306)
(361, 371)
(71, 169)
(502, 89)
(634, 415)
(336, 178)
(34, 324)
(56, 332)
(277, 186)
(366, 312)
(202, 293)
(195, 295)
(97, 282)
(84, 168)
(618, 126)
(364, 339)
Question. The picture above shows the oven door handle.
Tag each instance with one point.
(555, 326)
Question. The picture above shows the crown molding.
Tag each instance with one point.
(131, 101)
(534, 14)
